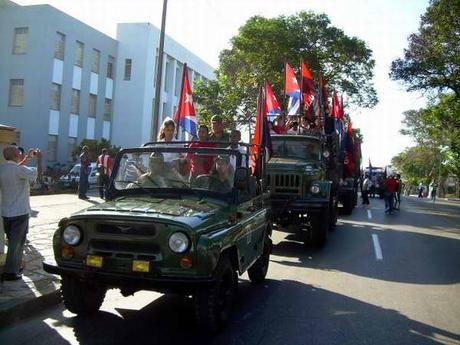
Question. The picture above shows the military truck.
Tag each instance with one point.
(176, 220)
(302, 185)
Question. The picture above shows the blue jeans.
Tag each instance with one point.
(16, 231)
(389, 201)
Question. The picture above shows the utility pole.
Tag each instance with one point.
(156, 106)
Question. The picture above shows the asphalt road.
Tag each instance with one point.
(381, 279)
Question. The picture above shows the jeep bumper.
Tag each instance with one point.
(187, 285)
(281, 206)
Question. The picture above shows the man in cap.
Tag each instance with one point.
(222, 178)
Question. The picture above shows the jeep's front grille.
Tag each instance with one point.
(121, 229)
(285, 183)
(123, 247)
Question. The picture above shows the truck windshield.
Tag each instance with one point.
(304, 149)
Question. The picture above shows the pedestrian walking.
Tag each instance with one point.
(391, 187)
(15, 179)
(365, 190)
(104, 168)
(434, 190)
(401, 186)
(84, 173)
(420, 190)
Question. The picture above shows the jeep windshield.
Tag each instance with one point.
(173, 168)
(296, 147)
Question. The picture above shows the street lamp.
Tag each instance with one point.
(156, 106)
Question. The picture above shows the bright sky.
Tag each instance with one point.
(206, 26)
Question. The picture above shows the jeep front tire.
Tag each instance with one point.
(81, 298)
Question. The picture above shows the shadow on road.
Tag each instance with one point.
(276, 312)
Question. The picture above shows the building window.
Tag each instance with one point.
(59, 46)
(72, 149)
(107, 109)
(178, 82)
(95, 57)
(16, 95)
(52, 148)
(128, 66)
(92, 105)
(55, 96)
(75, 108)
(20, 40)
(168, 76)
(110, 63)
(156, 70)
(79, 49)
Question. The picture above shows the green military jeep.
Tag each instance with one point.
(178, 219)
(301, 190)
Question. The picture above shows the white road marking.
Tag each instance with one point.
(377, 249)
(369, 214)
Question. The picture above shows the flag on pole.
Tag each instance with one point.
(349, 148)
(324, 94)
(292, 90)
(273, 107)
(335, 106)
(261, 140)
(307, 86)
(185, 116)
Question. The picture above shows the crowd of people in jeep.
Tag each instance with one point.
(197, 168)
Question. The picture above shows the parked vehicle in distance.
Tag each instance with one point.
(162, 228)
(73, 176)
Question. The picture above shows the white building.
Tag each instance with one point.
(135, 87)
(62, 81)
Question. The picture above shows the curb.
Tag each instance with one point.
(29, 308)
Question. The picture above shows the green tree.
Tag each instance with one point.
(262, 46)
(95, 148)
(432, 60)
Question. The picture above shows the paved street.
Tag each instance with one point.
(382, 279)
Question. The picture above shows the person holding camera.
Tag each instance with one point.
(15, 179)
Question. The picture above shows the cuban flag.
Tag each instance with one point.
(292, 90)
(273, 107)
(185, 116)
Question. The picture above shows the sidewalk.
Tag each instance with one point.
(38, 289)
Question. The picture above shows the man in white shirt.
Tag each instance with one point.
(15, 179)
(235, 138)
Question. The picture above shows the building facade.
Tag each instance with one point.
(62, 81)
(135, 87)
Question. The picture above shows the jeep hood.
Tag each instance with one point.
(189, 211)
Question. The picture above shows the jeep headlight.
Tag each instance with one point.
(71, 235)
(315, 189)
(179, 242)
(326, 154)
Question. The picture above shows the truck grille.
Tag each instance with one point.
(124, 249)
(285, 183)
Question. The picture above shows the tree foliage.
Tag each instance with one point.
(262, 46)
(432, 60)
(416, 164)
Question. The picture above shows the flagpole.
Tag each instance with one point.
(156, 108)
(301, 96)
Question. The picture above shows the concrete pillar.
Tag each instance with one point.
(7, 136)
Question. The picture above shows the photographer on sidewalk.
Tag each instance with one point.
(15, 179)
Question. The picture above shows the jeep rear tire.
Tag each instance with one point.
(213, 305)
(81, 298)
(259, 269)
(320, 227)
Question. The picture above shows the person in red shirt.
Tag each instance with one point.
(200, 164)
(104, 167)
(391, 186)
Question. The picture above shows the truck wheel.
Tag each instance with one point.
(259, 269)
(81, 298)
(348, 204)
(213, 305)
(320, 228)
